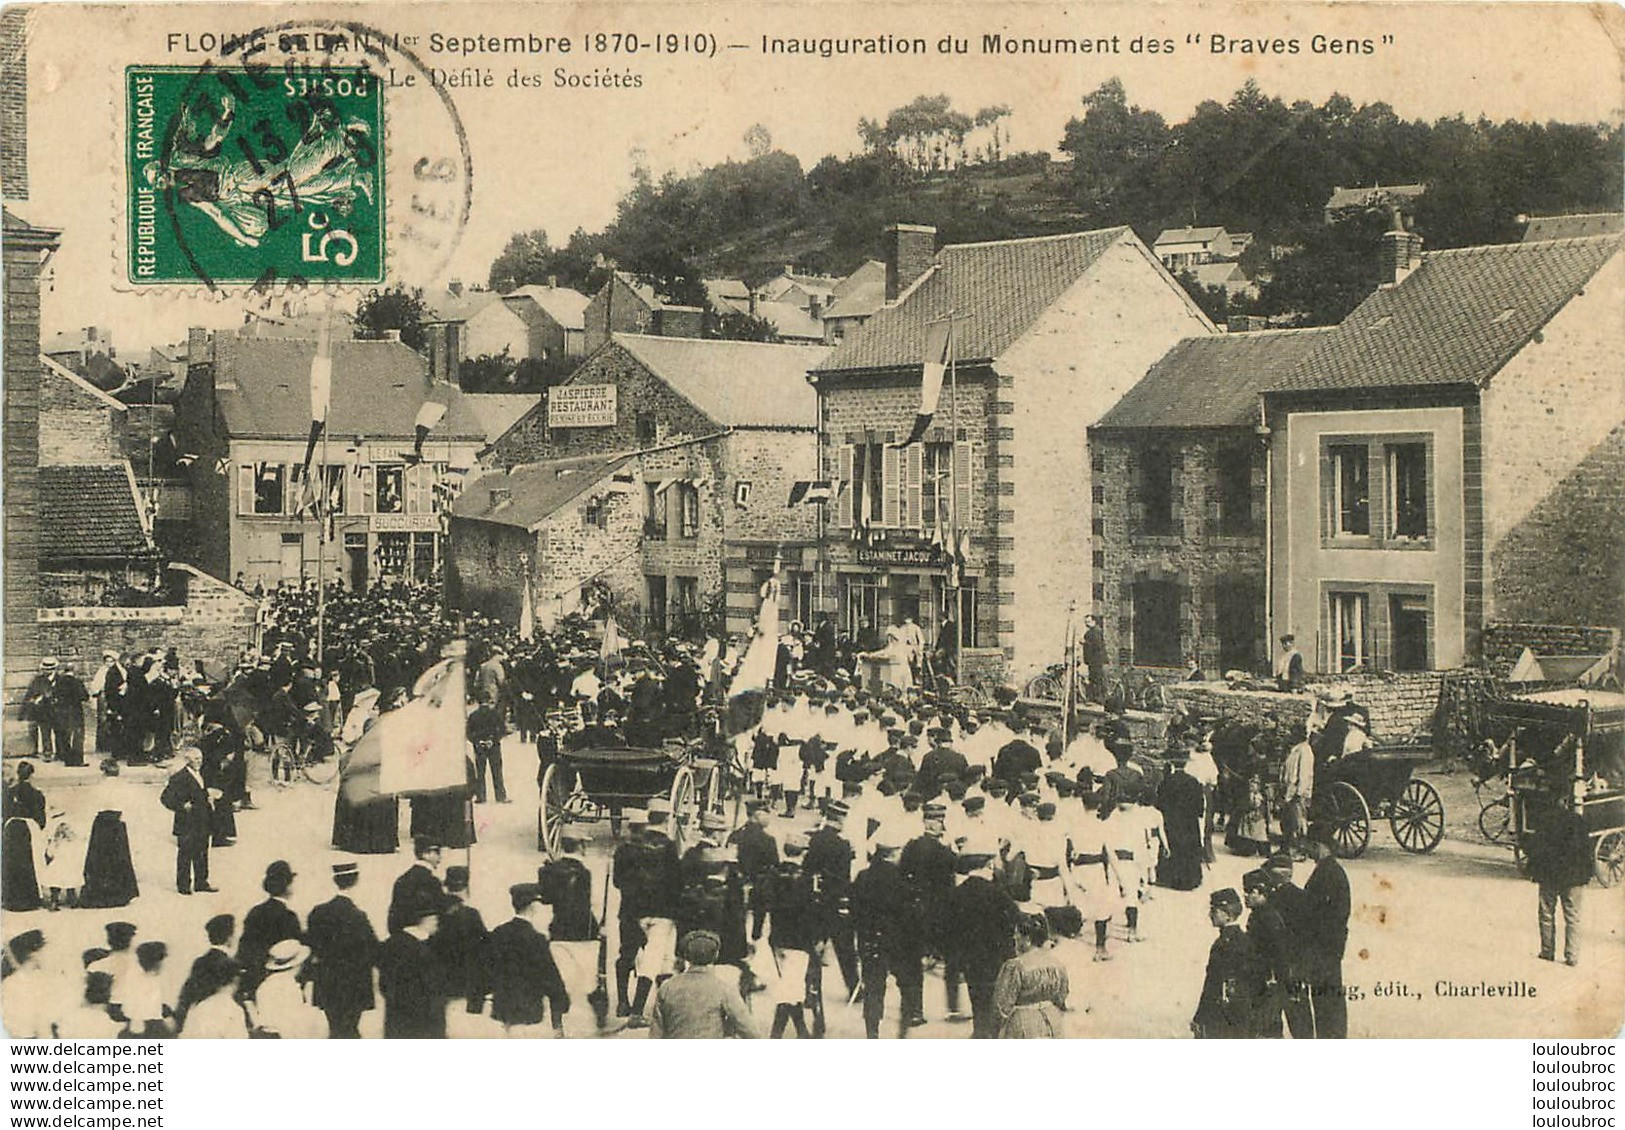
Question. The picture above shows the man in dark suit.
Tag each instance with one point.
(942, 762)
(928, 864)
(982, 935)
(270, 922)
(829, 868)
(186, 796)
(67, 710)
(758, 855)
(459, 945)
(213, 967)
(1327, 903)
(885, 916)
(1288, 900)
(408, 974)
(417, 883)
(1094, 657)
(1234, 983)
(343, 950)
(524, 979)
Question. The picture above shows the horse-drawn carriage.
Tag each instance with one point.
(1378, 783)
(591, 785)
(1561, 746)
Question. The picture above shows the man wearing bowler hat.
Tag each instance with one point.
(270, 922)
(343, 948)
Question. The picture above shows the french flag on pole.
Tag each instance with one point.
(938, 351)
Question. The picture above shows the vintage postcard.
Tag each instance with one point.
(791, 520)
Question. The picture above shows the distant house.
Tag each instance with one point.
(854, 301)
(808, 292)
(1184, 248)
(716, 434)
(556, 317)
(626, 305)
(73, 349)
(1404, 197)
(485, 325)
(1573, 227)
(1049, 333)
(498, 411)
(1226, 276)
(792, 323)
(728, 296)
(245, 415)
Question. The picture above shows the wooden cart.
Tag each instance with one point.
(586, 786)
(1563, 743)
(1378, 782)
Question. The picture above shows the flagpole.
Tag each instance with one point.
(954, 565)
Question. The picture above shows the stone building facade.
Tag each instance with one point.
(1047, 334)
(1179, 482)
(718, 433)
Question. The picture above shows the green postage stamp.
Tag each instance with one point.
(254, 175)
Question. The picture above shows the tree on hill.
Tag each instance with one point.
(530, 260)
(395, 309)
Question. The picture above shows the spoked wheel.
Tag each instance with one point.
(1044, 687)
(975, 695)
(685, 807)
(1610, 858)
(1417, 817)
(1349, 817)
(320, 772)
(1495, 821)
(555, 811)
(1153, 698)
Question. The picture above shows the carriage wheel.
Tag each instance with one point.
(1043, 687)
(1495, 821)
(1417, 817)
(1153, 698)
(1610, 858)
(685, 806)
(1349, 817)
(555, 813)
(319, 773)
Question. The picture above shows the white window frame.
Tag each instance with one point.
(1337, 452)
(1344, 606)
(1391, 492)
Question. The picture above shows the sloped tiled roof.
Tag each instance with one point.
(790, 320)
(565, 306)
(999, 289)
(61, 372)
(449, 307)
(263, 388)
(1211, 381)
(735, 383)
(1573, 227)
(497, 411)
(1218, 274)
(861, 293)
(1455, 319)
(93, 510)
(727, 292)
(535, 490)
(1188, 235)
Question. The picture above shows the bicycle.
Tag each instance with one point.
(295, 755)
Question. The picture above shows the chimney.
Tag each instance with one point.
(456, 288)
(908, 250)
(1401, 252)
(501, 496)
(199, 346)
(815, 307)
(552, 282)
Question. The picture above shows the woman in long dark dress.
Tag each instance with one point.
(22, 808)
(1180, 801)
(109, 871)
(447, 818)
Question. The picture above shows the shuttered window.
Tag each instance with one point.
(844, 486)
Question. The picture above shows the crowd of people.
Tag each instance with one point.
(946, 838)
